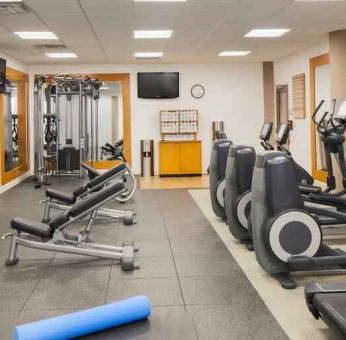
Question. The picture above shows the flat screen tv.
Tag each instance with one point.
(2, 75)
(158, 85)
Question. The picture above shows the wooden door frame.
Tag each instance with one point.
(124, 79)
(279, 89)
(321, 60)
(14, 75)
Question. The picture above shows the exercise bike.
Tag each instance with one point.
(116, 153)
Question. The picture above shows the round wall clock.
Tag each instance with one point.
(197, 91)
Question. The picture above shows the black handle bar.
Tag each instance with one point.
(316, 111)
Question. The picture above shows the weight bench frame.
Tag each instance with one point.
(126, 216)
(81, 244)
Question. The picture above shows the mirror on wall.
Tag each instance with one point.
(322, 92)
(110, 115)
(13, 127)
(320, 89)
(11, 132)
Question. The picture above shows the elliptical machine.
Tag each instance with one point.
(217, 171)
(285, 235)
(239, 169)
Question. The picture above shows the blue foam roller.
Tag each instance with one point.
(86, 322)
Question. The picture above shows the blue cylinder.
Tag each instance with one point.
(87, 321)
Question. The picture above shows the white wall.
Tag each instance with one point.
(283, 72)
(234, 93)
(14, 63)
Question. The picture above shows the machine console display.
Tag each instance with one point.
(283, 133)
(266, 131)
(341, 115)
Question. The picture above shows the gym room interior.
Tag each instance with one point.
(172, 169)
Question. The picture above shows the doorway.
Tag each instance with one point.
(319, 90)
(281, 105)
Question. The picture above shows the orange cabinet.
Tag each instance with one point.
(180, 158)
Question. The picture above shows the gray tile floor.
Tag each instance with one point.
(185, 268)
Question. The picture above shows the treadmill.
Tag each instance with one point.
(328, 302)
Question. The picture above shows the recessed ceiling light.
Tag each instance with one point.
(318, 0)
(159, 0)
(267, 33)
(234, 53)
(61, 55)
(148, 54)
(37, 35)
(152, 34)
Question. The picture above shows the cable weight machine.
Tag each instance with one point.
(66, 125)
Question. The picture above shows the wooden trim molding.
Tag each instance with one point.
(22, 79)
(316, 62)
(124, 78)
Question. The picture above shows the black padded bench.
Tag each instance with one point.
(47, 230)
(328, 302)
(69, 198)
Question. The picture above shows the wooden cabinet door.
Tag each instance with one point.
(170, 158)
(191, 158)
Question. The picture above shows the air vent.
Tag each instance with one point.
(148, 58)
(51, 48)
(13, 8)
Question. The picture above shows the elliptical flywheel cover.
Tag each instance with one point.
(220, 193)
(294, 233)
(243, 209)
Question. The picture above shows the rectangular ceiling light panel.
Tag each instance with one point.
(234, 53)
(61, 55)
(148, 54)
(159, 0)
(165, 34)
(267, 33)
(37, 35)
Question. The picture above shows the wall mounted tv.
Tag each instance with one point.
(158, 85)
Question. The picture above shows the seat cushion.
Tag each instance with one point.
(332, 307)
(106, 176)
(61, 196)
(92, 201)
(32, 227)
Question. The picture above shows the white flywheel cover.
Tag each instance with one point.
(220, 193)
(280, 223)
(242, 204)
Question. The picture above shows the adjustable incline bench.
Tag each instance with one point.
(54, 236)
(328, 302)
(56, 199)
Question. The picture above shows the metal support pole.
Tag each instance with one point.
(92, 128)
(86, 138)
(57, 112)
(81, 131)
(97, 127)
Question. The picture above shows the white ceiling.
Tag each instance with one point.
(100, 31)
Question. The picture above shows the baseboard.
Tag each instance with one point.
(15, 182)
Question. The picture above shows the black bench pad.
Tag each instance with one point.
(31, 227)
(107, 175)
(61, 196)
(91, 171)
(92, 200)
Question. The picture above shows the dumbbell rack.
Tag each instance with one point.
(179, 123)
